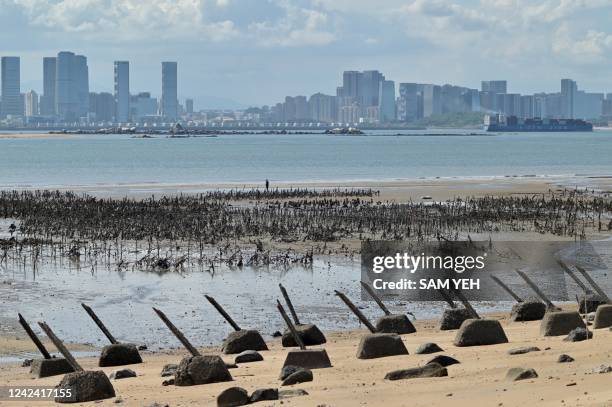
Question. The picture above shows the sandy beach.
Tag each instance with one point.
(418, 190)
(478, 380)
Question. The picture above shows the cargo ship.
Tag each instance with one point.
(501, 123)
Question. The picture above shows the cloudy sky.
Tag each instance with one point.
(257, 51)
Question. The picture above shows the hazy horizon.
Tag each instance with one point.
(239, 53)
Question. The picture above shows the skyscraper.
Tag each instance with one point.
(82, 85)
(189, 106)
(494, 86)
(71, 86)
(568, 98)
(31, 103)
(47, 99)
(432, 103)
(122, 91)
(11, 87)
(386, 101)
(169, 99)
(408, 102)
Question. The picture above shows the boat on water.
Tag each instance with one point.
(503, 123)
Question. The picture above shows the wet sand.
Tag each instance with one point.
(478, 380)
(417, 190)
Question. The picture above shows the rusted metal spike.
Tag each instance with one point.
(507, 289)
(574, 277)
(376, 298)
(593, 284)
(289, 304)
(466, 303)
(296, 336)
(60, 346)
(221, 311)
(34, 337)
(356, 311)
(447, 298)
(179, 335)
(535, 288)
(98, 322)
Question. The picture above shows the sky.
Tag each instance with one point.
(233, 53)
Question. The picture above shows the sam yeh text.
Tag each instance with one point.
(428, 284)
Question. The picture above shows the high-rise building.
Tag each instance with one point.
(588, 105)
(322, 108)
(527, 107)
(431, 100)
(11, 87)
(82, 85)
(71, 86)
(301, 108)
(568, 98)
(494, 86)
(122, 91)
(142, 105)
(386, 101)
(31, 104)
(408, 102)
(47, 99)
(368, 88)
(101, 107)
(189, 106)
(169, 99)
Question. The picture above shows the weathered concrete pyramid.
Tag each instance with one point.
(50, 367)
(452, 318)
(558, 323)
(477, 332)
(201, 369)
(380, 345)
(119, 354)
(244, 339)
(394, 324)
(83, 386)
(528, 311)
(309, 333)
(603, 317)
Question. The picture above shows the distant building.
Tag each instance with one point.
(12, 103)
(408, 102)
(431, 100)
(142, 105)
(322, 108)
(588, 105)
(386, 101)
(189, 106)
(494, 86)
(527, 107)
(122, 91)
(568, 98)
(102, 107)
(47, 99)
(71, 86)
(31, 104)
(169, 99)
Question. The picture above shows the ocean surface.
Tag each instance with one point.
(90, 160)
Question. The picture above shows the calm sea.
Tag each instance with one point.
(120, 159)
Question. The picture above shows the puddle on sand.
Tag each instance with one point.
(123, 301)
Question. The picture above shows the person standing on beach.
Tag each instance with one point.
(267, 185)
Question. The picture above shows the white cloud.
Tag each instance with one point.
(592, 47)
(129, 19)
(298, 27)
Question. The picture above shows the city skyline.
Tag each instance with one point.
(228, 49)
(362, 97)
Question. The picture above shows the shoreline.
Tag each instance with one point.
(398, 190)
(350, 378)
